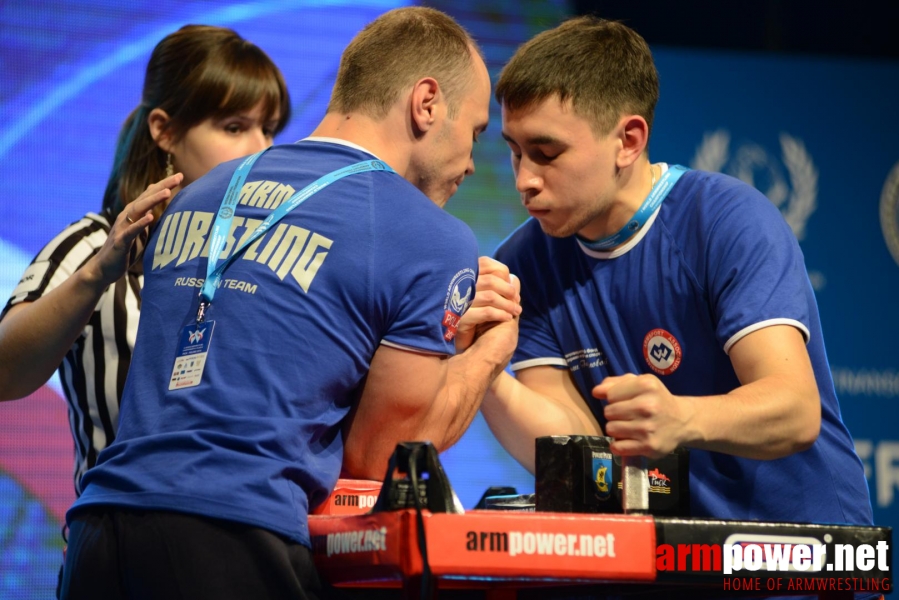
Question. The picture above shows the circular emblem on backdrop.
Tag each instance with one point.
(752, 164)
(662, 352)
(889, 212)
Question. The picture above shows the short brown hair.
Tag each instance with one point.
(195, 73)
(393, 52)
(603, 67)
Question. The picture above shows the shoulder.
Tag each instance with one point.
(707, 203)
(528, 245)
(406, 218)
(61, 256)
(717, 194)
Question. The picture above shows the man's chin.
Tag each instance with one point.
(555, 231)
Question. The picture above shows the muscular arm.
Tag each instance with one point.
(542, 400)
(410, 396)
(775, 412)
(35, 336)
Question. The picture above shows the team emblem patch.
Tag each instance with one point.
(459, 295)
(662, 352)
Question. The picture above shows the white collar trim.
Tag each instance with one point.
(624, 249)
(331, 140)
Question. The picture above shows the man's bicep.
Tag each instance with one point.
(403, 380)
(777, 350)
(400, 388)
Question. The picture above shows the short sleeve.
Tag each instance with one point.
(756, 274)
(58, 260)
(424, 283)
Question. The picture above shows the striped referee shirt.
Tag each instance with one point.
(94, 369)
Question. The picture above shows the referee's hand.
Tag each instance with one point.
(128, 236)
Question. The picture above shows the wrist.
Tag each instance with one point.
(693, 433)
(90, 276)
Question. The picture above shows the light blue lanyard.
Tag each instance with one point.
(222, 225)
(653, 200)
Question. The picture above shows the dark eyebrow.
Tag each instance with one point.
(537, 140)
(237, 117)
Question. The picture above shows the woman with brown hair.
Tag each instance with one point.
(209, 96)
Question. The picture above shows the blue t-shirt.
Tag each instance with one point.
(298, 316)
(715, 262)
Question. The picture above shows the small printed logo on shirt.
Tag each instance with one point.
(662, 351)
(459, 295)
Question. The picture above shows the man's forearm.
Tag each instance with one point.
(410, 396)
(764, 420)
(469, 375)
(518, 415)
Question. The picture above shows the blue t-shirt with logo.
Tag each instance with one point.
(298, 316)
(714, 263)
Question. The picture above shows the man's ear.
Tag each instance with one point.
(157, 122)
(426, 97)
(633, 135)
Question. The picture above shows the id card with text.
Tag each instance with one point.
(190, 359)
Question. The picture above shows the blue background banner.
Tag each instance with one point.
(820, 137)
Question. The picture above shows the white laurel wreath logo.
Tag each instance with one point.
(713, 154)
(889, 212)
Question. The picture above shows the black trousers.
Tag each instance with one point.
(117, 554)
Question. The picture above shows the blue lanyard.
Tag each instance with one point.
(658, 193)
(222, 225)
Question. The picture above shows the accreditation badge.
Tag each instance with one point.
(190, 360)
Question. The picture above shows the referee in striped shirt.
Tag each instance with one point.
(77, 305)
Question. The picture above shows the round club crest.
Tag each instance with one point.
(662, 352)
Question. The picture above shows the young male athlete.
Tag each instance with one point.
(662, 306)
